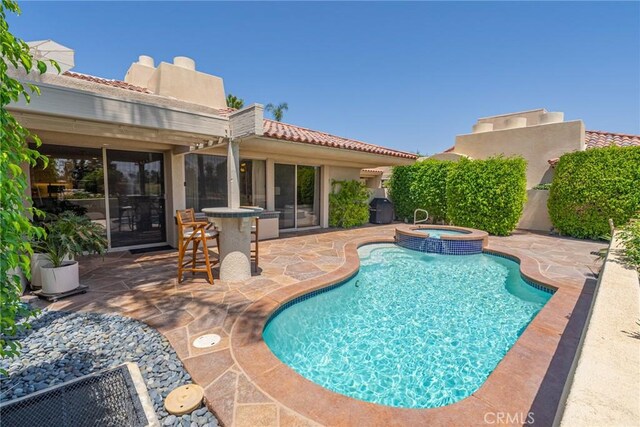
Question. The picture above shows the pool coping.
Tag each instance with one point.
(511, 388)
(470, 233)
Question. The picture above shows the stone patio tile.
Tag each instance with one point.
(249, 393)
(292, 419)
(256, 415)
(205, 368)
(179, 341)
(213, 319)
(170, 320)
(220, 397)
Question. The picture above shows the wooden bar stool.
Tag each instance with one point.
(254, 237)
(196, 233)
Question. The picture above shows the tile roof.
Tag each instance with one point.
(272, 129)
(373, 171)
(113, 83)
(601, 139)
(287, 132)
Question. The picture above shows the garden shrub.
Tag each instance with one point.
(400, 191)
(630, 239)
(487, 194)
(590, 187)
(429, 187)
(348, 204)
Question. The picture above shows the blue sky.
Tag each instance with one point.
(404, 75)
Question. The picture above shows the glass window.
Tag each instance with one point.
(297, 195)
(72, 181)
(308, 196)
(285, 194)
(136, 197)
(206, 181)
(253, 183)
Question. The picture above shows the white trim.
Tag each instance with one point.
(105, 177)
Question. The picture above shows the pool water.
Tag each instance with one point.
(437, 232)
(410, 329)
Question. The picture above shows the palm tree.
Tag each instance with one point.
(277, 111)
(234, 102)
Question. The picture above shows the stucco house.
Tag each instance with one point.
(540, 137)
(130, 153)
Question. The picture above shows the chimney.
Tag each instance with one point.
(482, 127)
(179, 80)
(184, 62)
(140, 72)
(515, 122)
(551, 117)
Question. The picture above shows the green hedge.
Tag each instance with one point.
(400, 191)
(348, 204)
(487, 194)
(429, 187)
(422, 185)
(590, 187)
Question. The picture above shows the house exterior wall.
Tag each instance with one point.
(536, 215)
(179, 80)
(535, 135)
(536, 144)
(78, 113)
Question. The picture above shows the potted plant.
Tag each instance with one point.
(68, 236)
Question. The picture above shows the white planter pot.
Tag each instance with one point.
(37, 261)
(61, 279)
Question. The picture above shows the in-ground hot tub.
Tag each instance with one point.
(442, 239)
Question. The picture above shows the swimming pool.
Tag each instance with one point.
(410, 329)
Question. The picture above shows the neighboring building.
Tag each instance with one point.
(540, 137)
(164, 137)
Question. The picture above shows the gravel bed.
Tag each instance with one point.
(61, 346)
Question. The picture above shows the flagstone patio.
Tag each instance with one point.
(145, 287)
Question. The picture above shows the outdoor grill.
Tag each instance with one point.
(116, 397)
(381, 211)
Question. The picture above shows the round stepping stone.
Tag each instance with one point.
(184, 400)
(206, 341)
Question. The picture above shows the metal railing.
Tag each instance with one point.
(415, 216)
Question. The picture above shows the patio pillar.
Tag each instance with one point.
(233, 173)
(325, 189)
(270, 177)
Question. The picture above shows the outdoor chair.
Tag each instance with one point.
(196, 233)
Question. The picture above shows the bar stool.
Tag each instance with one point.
(254, 236)
(196, 233)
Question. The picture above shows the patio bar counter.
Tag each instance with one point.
(234, 226)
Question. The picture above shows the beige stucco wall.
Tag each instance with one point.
(450, 156)
(179, 80)
(341, 173)
(536, 215)
(501, 121)
(536, 144)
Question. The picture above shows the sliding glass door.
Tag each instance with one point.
(297, 195)
(72, 181)
(136, 198)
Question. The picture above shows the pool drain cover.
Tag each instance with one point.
(206, 341)
(184, 400)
